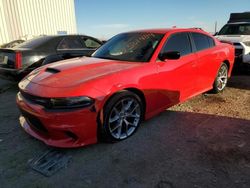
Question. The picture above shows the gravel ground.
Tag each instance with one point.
(233, 102)
(204, 142)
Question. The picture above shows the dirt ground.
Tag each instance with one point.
(204, 142)
(233, 102)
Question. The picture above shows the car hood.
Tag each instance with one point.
(69, 73)
(234, 38)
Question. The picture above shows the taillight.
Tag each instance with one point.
(18, 63)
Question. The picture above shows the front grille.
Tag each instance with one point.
(36, 100)
(34, 121)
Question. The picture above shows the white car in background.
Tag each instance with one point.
(237, 31)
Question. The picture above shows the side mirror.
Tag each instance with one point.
(216, 33)
(169, 55)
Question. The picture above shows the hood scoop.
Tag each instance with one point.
(52, 70)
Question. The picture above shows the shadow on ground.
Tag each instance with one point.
(239, 82)
(240, 78)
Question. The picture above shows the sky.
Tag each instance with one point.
(106, 18)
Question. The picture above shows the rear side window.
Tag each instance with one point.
(202, 42)
(178, 42)
(70, 43)
(90, 43)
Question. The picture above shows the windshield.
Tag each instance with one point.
(235, 29)
(137, 47)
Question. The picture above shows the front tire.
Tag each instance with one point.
(221, 79)
(121, 116)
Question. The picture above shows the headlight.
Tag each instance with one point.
(71, 102)
(247, 43)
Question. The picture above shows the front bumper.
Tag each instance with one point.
(65, 129)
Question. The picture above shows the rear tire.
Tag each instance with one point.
(221, 79)
(122, 116)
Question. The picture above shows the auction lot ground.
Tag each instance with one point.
(204, 142)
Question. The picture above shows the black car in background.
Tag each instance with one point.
(17, 62)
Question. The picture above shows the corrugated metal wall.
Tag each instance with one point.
(19, 18)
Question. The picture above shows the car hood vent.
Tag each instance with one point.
(52, 70)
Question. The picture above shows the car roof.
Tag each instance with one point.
(71, 35)
(42, 39)
(54, 36)
(166, 30)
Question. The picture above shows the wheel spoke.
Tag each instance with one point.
(223, 71)
(126, 126)
(113, 119)
(133, 115)
(136, 106)
(116, 116)
(130, 102)
(123, 105)
(220, 85)
(115, 110)
(116, 127)
(119, 132)
(128, 123)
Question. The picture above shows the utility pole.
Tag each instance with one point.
(215, 27)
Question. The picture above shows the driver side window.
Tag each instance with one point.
(178, 42)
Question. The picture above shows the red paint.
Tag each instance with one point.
(163, 84)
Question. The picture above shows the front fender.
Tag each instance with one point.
(111, 91)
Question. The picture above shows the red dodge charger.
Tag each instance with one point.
(132, 77)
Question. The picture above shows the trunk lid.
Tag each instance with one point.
(11, 57)
(7, 58)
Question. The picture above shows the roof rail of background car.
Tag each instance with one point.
(198, 28)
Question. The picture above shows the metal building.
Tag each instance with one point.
(25, 18)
